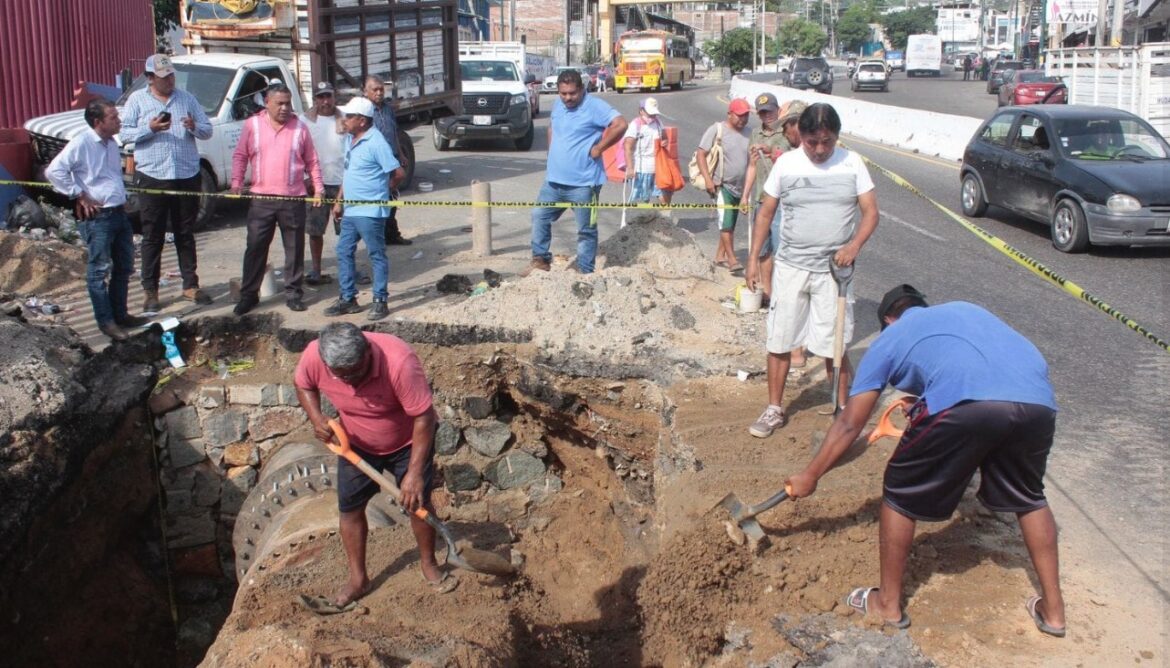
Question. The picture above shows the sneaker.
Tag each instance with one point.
(246, 303)
(342, 307)
(536, 264)
(772, 419)
(295, 304)
(150, 300)
(198, 296)
(378, 310)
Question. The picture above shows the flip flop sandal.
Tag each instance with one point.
(858, 599)
(445, 585)
(321, 605)
(1044, 626)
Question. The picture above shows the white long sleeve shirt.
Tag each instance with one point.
(88, 164)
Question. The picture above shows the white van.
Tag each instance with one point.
(923, 55)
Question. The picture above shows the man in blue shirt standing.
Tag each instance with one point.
(371, 173)
(581, 128)
(163, 122)
(985, 404)
(385, 121)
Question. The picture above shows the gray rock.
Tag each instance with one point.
(535, 448)
(681, 318)
(215, 454)
(239, 482)
(446, 439)
(270, 395)
(185, 452)
(225, 427)
(196, 632)
(479, 408)
(488, 440)
(542, 490)
(183, 423)
(461, 477)
(212, 396)
(288, 395)
(207, 487)
(581, 290)
(179, 501)
(273, 422)
(515, 469)
(246, 395)
(191, 529)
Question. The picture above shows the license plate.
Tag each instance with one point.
(635, 81)
(481, 120)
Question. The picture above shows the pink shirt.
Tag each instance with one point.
(279, 157)
(379, 414)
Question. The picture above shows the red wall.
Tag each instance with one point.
(48, 46)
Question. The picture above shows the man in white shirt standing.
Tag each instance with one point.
(641, 142)
(327, 132)
(89, 170)
(830, 210)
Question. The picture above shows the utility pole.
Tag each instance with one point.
(568, 32)
(1118, 20)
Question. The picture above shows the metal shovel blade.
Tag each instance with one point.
(743, 517)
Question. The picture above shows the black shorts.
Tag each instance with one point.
(1007, 442)
(355, 489)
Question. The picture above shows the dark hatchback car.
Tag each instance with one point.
(995, 75)
(805, 73)
(1097, 175)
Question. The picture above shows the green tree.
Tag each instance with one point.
(733, 50)
(853, 28)
(166, 16)
(802, 38)
(900, 25)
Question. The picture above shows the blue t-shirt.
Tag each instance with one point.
(368, 166)
(955, 352)
(574, 132)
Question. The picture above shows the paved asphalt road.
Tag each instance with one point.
(1107, 473)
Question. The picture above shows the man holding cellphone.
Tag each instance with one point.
(163, 122)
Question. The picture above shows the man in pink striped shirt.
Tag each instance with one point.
(278, 149)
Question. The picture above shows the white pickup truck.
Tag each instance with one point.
(226, 86)
(499, 100)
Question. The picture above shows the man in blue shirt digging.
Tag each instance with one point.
(581, 128)
(984, 404)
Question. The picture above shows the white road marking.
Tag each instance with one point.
(912, 226)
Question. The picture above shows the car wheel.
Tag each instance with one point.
(206, 204)
(441, 143)
(971, 196)
(524, 143)
(1070, 233)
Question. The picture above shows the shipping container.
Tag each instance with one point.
(48, 46)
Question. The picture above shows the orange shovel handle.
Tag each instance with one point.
(884, 426)
(342, 449)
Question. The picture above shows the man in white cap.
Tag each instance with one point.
(327, 132)
(641, 142)
(163, 122)
(371, 173)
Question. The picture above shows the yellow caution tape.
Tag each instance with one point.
(405, 204)
(1029, 263)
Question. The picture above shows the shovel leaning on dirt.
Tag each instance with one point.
(467, 558)
(843, 276)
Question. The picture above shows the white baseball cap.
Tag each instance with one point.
(650, 106)
(160, 65)
(358, 106)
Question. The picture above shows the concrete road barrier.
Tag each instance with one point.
(927, 132)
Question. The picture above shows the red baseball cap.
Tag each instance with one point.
(739, 107)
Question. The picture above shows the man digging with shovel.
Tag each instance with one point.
(985, 404)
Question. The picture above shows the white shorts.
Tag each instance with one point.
(803, 311)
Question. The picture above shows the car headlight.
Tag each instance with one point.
(1123, 204)
(519, 99)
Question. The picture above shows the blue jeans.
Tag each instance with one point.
(544, 216)
(372, 231)
(110, 241)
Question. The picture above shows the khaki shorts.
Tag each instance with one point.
(803, 311)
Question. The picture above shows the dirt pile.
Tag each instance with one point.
(30, 267)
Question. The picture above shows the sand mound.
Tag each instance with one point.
(29, 267)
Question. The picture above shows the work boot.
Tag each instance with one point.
(246, 303)
(378, 310)
(112, 330)
(342, 307)
(134, 321)
(295, 304)
(772, 419)
(198, 296)
(536, 264)
(150, 300)
(398, 240)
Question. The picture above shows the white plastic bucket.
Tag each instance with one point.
(750, 300)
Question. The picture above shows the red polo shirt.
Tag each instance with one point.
(379, 413)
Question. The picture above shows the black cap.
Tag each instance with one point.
(892, 297)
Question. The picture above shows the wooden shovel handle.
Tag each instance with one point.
(342, 449)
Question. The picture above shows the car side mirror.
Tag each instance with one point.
(1043, 157)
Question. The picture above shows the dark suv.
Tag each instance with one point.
(807, 73)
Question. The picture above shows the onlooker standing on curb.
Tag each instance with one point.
(163, 122)
(581, 127)
(89, 171)
(371, 172)
(967, 67)
(985, 404)
(384, 120)
(603, 79)
(778, 134)
(829, 212)
(279, 149)
(325, 127)
(727, 187)
(641, 143)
